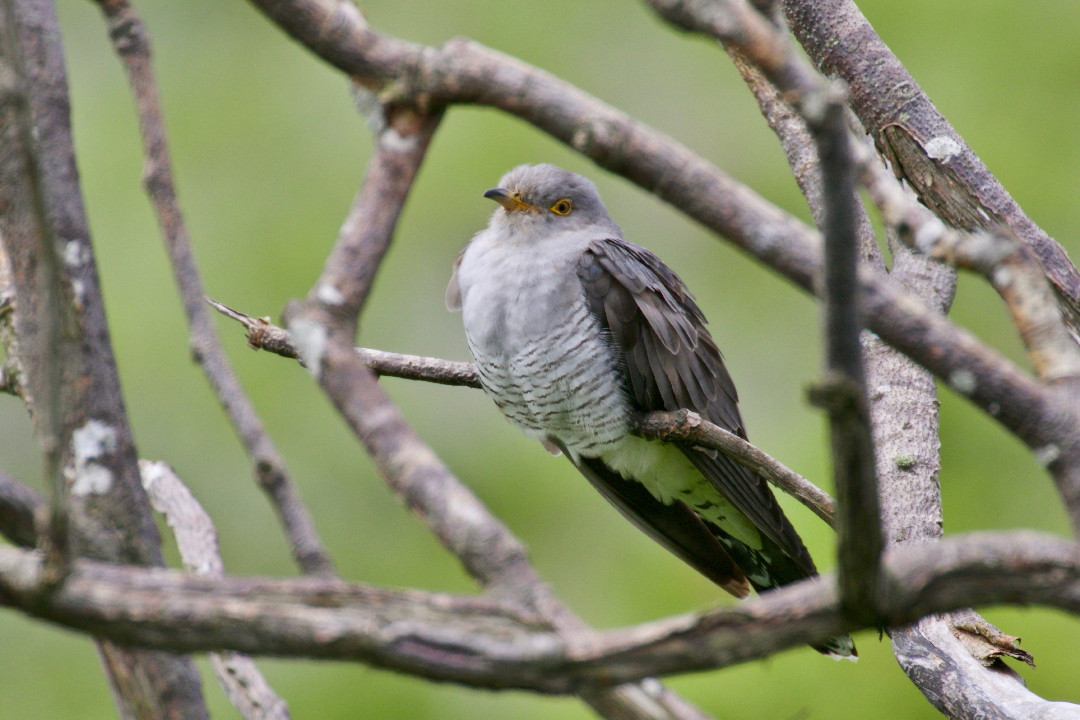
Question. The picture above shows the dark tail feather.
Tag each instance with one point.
(770, 568)
(841, 647)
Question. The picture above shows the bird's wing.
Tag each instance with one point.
(674, 526)
(671, 363)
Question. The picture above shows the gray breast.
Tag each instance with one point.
(543, 358)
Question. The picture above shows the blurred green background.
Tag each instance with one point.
(268, 153)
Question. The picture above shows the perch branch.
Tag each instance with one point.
(264, 335)
(686, 426)
(680, 426)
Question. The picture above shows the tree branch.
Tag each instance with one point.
(1020, 279)
(132, 44)
(264, 335)
(484, 642)
(920, 143)
(686, 426)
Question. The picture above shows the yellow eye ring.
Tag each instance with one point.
(562, 207)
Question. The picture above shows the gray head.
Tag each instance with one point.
(542, 200)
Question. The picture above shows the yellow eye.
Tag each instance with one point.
(563, 207)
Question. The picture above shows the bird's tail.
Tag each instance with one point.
(841, 647)
(770, 568)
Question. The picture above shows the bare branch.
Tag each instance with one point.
(859, 517)
(922, 146)
(957, 684)
(1009, 267)
(402, 136)
(483, 642)
(1019, 278)
(132, 44)
(798, 146)
(264, 335)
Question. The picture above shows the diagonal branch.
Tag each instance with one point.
(686, 426)
(1020, 279)
(132, 45)
(197, 541)
(921, 144)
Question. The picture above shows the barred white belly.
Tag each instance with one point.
(563, 385)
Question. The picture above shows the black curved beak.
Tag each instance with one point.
(510, 201)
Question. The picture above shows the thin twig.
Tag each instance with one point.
(264, 335)
(132, 45)
(686, 426)
(861, 541)
(1020, 279)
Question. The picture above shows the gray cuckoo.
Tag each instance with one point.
(574, 331)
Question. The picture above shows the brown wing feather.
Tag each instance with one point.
(672, 363)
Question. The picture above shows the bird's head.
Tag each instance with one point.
(543, 200)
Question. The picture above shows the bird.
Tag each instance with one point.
(575, 332)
